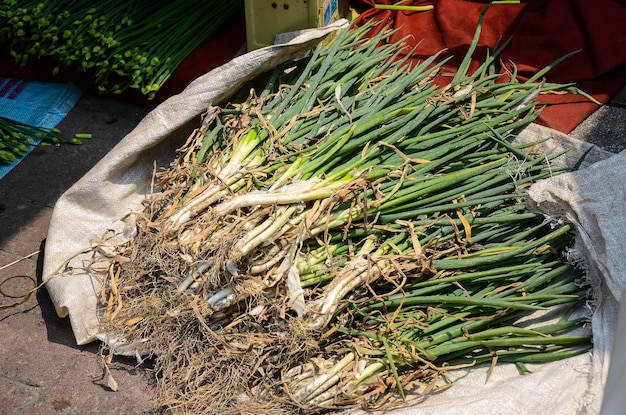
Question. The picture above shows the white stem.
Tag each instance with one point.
(202, 267)
(323, 381)
(270, 228)
(293, 193)
(354, 273)
(259, 229)
(222, 298)
(353, 388)
(276, 255)
(205, 199)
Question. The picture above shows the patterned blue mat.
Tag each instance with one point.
(42, 104)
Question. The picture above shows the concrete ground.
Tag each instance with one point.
(42, 371)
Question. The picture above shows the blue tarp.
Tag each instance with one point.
(41, 104)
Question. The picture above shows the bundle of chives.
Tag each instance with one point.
(127, 44)
(352, 211)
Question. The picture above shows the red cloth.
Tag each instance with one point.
(541, 31)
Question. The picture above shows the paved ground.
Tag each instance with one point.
(42, 371)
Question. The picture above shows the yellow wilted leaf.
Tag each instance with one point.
(133, 321)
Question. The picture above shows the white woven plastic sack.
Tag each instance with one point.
(592, 198)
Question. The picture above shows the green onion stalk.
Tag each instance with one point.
(125, 44)
(348, 228)
(17, 139)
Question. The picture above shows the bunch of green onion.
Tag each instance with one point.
(354, 200)
(17, 139)
(126, 44)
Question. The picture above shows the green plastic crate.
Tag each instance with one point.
(267, 18)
